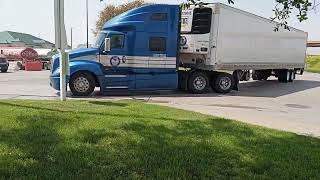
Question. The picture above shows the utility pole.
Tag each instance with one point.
(87, 7)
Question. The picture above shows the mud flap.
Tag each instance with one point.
(236, 76)
(183, 81)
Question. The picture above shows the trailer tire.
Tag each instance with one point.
(198, 83)
(82, 84)
(223, 83)
(285, 76)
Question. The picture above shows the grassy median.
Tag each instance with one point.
(313, 64)
(110, 140)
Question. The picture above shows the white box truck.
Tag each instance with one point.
(158, 47)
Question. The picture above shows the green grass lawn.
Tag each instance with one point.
(313, 64)
(111, 140)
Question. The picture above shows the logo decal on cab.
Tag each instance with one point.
(124, 59)
(115, 61)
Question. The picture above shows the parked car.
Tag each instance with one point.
(4, 65)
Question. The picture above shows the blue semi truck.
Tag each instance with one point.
(162, 47)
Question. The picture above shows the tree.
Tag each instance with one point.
(282, 11)
(111, 11)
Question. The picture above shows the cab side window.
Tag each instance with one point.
(158, 44)
(117, 41)
(159, 17)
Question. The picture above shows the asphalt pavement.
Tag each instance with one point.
(26, 85)
(293, 107)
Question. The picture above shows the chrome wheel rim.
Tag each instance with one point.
(199, 83)
(81, 84)
(225, 83)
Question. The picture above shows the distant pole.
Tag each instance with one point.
(71, 38)
(87, 6)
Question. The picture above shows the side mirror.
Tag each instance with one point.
(107, 45)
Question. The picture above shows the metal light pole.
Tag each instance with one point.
(87, 8)
(61, 45)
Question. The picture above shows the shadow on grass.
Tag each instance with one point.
(108, 103)
(107, 114)
(44, 147)
(223, 150)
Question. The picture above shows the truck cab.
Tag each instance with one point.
(141, 55)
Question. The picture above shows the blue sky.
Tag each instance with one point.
(36, 16)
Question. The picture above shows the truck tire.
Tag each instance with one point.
(82, 84)
(45, 66)
(223, 83)
(4, 70)
(20, 65)
(198, 83)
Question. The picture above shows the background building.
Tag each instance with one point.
(15, 39)
(13, 43)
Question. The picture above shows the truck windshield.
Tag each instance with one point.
(100, 39)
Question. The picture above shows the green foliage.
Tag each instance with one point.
(111, 11)
(132, 140)
(313, 64)
(282, 11)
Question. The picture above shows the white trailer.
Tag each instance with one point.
(218, 37)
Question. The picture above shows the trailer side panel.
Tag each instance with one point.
(247, 41)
